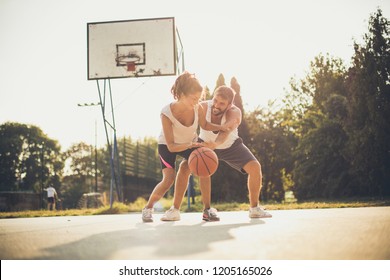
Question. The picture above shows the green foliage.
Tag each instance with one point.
(243, 129)
(369, 110)
(272, 142)
(220, 82)
(73, 188)
(343, 124)
(206, 95)
(81, 159)
(138, 204)
(81, 173)
(320, 168)
(29, 159)
(331, 137)
(117, 208)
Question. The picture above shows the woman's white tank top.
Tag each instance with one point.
(181, 133)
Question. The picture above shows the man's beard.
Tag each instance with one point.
(216, 112)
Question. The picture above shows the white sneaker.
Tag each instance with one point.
(172, 214)
(258, 212)
(147, 215)
(210, 215)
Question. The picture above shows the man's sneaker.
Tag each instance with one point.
(210, 215)
(258, 212)
(172, 214)
(147, 215)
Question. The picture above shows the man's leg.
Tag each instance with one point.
(50, 203)
(253, 169)
(205, 190)
(209, 214)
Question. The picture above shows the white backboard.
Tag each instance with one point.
(131, 48)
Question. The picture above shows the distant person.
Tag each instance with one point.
(180, 120)
(51, 198)
(229, 147)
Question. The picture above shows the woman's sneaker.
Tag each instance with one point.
(210, 215)
(147, 215)
(258, 212)
(172, 214)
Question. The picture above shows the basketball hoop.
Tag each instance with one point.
(150, 44)
(129, 61)
(130, 66)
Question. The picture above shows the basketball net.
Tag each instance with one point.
(130, 66)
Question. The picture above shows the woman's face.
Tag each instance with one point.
(192, 99)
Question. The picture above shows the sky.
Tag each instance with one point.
(43, 56)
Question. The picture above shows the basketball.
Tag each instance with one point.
(203, 162)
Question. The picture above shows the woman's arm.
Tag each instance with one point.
(168, 133)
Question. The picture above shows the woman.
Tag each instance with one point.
(180, 120)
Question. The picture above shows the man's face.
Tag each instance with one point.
(220, 105)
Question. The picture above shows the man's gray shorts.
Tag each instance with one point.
(237, 156)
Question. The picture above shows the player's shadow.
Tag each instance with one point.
(163, 241)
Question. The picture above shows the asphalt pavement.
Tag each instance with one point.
(315, 234)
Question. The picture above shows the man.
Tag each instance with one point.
(51, 197)
(229, 148)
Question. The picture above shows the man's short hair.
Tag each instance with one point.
(225, 92)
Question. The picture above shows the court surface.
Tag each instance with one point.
(317, 234)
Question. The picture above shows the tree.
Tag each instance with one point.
(321, 169)
(272, 143)
(368, 126)
(243, 130)
(29, 159)
(207, 95)
(81, 176)
(81, 159)
(220, 82)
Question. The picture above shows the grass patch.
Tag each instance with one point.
(46, 213)
(117, 208)
(164, 204)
